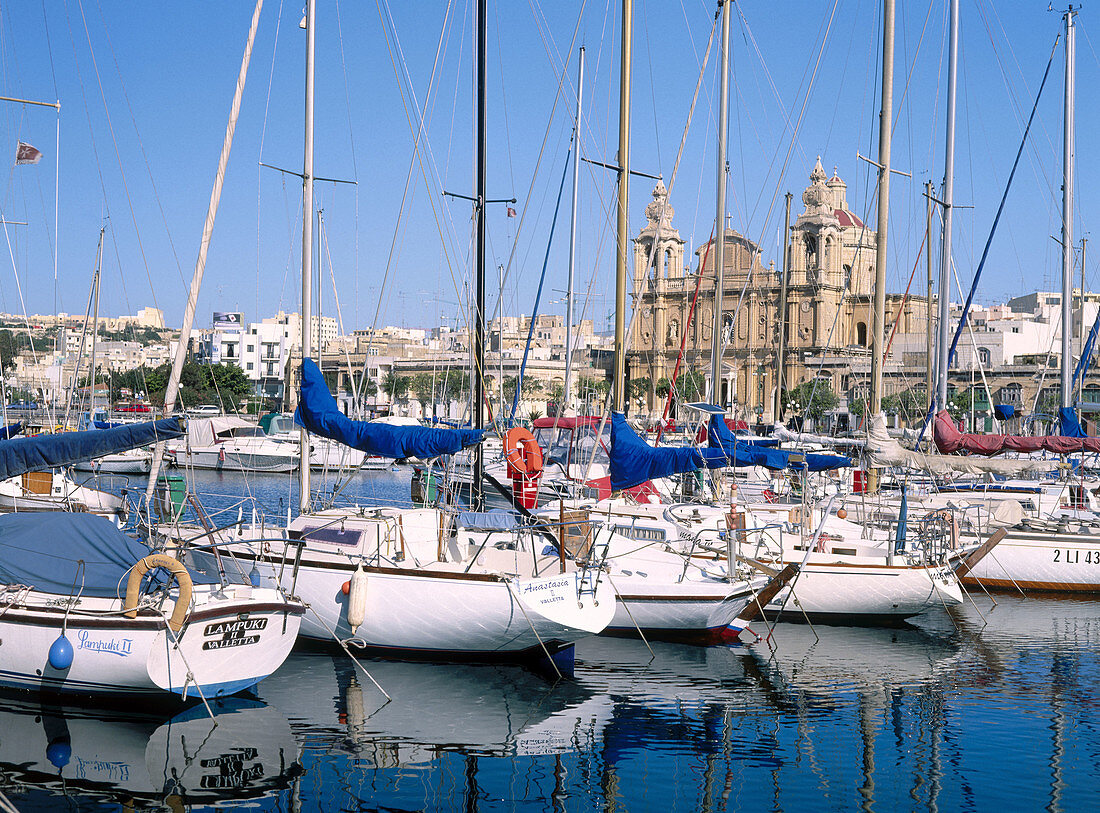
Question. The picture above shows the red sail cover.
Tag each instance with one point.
(950, 440)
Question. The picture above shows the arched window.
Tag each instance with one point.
(983, 356)
(861, 334)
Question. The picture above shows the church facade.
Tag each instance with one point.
(828, 321)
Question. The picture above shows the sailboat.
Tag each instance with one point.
(411, 583)
(1058, 551)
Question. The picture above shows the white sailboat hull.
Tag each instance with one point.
(1032, 560)
(115, 655)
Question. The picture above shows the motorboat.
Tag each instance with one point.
(78, 617)
(231, 444)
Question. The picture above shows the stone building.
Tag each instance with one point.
(828, 307)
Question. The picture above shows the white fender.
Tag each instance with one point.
(357, 599)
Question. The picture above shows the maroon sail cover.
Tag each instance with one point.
(950, 440)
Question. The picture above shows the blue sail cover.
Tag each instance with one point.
(41, 549)
(739, 453)
(318, 413)
(11, 430)
(65, 448)
(1004, 412)
(1068, 425)
(633, 461)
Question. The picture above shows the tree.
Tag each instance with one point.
(423, 387)
(637, 389)
(909, 403)
(814, 399)
(395, 386)
(690, 386)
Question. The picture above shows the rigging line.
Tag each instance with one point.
(417, 157)
(538, 293)
(504, 105)
(973, 341)
(605, 409)
(351, 140)
(141, 147)
(652, 82)
(429, 170)
(263, 139)
(1038, 165)
(795, 131)
(912, 65)
(118, 158)
(562, 76)
(786, 161)
(996, 221)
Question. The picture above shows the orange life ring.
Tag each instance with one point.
(522, 453)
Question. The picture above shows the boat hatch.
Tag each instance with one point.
(333, 535)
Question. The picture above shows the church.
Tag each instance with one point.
(828, 322)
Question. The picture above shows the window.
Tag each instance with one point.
(861, 334)
(1010, 394)
(248, 366)
(251, 348)
(983, 356)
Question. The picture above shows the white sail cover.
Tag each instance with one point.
(883, 450)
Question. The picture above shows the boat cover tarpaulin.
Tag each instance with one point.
(318, 413)
(11, 430)
(1068, 425)
(740, 453)
(65, 448)
(42, 549)
(634, 461)
(949, 440)
(883, 451)
(1004, 412)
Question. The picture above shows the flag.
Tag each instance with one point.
(26, 154)
(511, 212)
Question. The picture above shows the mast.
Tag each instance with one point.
(204, 246)
(885, 125)
(944, 342)
(95, 311)
(1081, 327)
(781, 355)
(479, 262)
(720, 210)
(307, 247)
(928, 375)
(1067, 211)
(567, 389)
(618, 386)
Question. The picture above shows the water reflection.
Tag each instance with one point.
(50, 752)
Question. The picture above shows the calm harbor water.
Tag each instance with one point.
(982, 708)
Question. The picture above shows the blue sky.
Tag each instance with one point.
(145, 93)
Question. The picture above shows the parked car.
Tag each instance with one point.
(133, 408)
(204, 410)
(23, 405)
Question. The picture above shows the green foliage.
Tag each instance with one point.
(534, 415)
(591, 387)
(223, 384)
(11, 345)
(958, 403)
(530, 386)
(814, 399)
(909, 403)
(637, 388)
(690, 386)
(396, 386)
